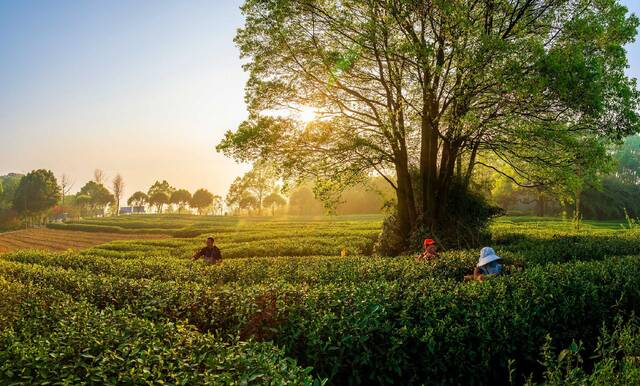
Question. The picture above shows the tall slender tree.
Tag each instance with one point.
(66, 184)
(117, 185)
(99, 176)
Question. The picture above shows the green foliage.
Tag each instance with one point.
(95, 196)
(9, 184)
(378, 325)
(614, 360)
(163, 187)
(249, 191)
(9, 218)
(356, 319)
(159, 199)
(37, 192)
(138, 199)
(302, 202)
(533, 90)
(249, 203)
(628, 160)
(274, 200)
(181, 197)
(70, 342)
(201, 199)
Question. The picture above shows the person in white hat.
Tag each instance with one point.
(488, 265)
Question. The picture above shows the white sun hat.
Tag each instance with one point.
(487, 255)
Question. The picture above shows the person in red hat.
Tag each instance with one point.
(430, 250)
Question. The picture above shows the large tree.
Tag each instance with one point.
(138, 199)
(159, 199)
(234, 195)
(628, 160)
(274, 200)
(98, 195)
(10, 184)
(259, 181)
(217, 205)
(37, 192)
(181, 198)
(256, 183)
(201, 200)
(404, 85)
(163, 186)
(160, 194)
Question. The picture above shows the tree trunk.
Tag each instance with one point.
(407, 215)
(447, 170)
(472, 162)
(577, 213)
(428, 173)
(540, 204)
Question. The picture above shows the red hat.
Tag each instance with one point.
(428, 242)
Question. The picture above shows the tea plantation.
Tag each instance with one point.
(285, 308)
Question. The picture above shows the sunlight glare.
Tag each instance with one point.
(307, 114)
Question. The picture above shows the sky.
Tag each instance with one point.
(141, 88)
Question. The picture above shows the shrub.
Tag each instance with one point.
(71, 342)
(614, 361)
(385, 331)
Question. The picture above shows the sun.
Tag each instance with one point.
(307, 114)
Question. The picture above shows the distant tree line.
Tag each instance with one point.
(38, 196)
(261, 192)
(162, 194)
(610, 194)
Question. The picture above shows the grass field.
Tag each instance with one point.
(285, 308)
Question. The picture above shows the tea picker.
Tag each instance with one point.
(430, 250)
(487, 267)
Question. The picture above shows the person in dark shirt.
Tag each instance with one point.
(210, 253)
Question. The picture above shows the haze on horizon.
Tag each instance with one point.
(144, 89)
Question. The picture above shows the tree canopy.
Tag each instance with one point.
(96, 196)
(138, 199)
(274, 200)
(36, 193)
(10, 184)
(163, 187)
(159, 199)
(628, 160)
(249, 191)
(419, 92)
(202, 199)
(180, 197)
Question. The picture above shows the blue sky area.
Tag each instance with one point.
(141, 88)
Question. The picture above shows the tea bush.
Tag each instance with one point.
(70, 342)
(383, 331)
(283, 293)
(614, 361)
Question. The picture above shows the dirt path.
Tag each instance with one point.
(60, 240)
